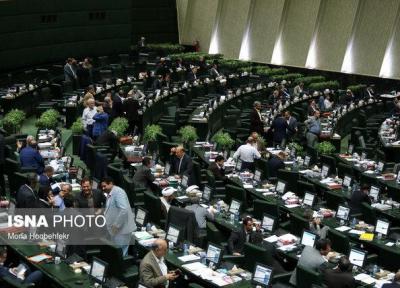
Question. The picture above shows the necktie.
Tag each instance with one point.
(179, 167)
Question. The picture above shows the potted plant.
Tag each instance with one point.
(298, 148)
(150, 136)
(325, 147)
(188, 135)
(223, 140)
(77, 131)
(12, 121)
(48, 119)
(119, 125)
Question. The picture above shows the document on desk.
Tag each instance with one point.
(247, 186)
(142, 235)
(182, 197)
(365, 278)
(358, 232)
(342, 228)
(287, 247)
(194, 266)
(188, 258)
(271, 239)
(292, 205)
(305, 171)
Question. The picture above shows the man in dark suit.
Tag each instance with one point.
(89, 198)
(395, 283)
(131, 110)
(117, 106)
(291, 126)
(143, 176)
(110, 139)
(157, 83)
(245, 234)
(192, 75)
(217, 168)
(26, 195)
(31, 158)
(256, 123)
(341, 276)
(45, 179)
(279, 127)
(181, 163)
(275, 163)
(357, 198)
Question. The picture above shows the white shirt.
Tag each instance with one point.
(163, 267)
(247, 153)
(328, 104)
(87, 116)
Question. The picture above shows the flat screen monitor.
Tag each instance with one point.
(206, 196)
(343, 213)
(172, 234)
(214, 253)
(184, 181)
(380, 167)
(141, 216)
(235, 206)
(350, 149)
(307, 160)
(257, 175)
(79, 174)
(398, 177)
(308, 239)
(98, 270)
(167, 169)
(346, 181)
(268, 223)
(262, 275)
(309, 199)
(363, 156)
(324, 171)
(238, 166)
(374, 193)
(382, 226)
(280, 187)
(357, 257)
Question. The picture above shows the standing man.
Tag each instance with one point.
(314, 129)
(131, 109)
(247, 154)
(143, 176)
(26, 195)
(65, 192)
(291, 129)
(279, 126)
(256, 121)
(118, 214)
(87, 116)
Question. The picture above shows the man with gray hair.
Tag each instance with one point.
(65, 191)
(256, 120)
(87, 116)
(201, 213)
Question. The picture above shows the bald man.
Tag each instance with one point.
(87, 116)
(153, 270)
(181, 163)
(395, 283)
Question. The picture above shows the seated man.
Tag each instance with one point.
(245, 234)
(395, 283)
(275, 163)
(357, 198)
(315, 224)
(340, 276)
(201, 213)
(31, 158)
(181, 163)
(143, 176)
(153, 270)
(110, 139)
(45, 179)
(25, 276)
(166, 199)
(217, 168)
(313, 258)
(89, 198)
(27, 196)
(66, 190)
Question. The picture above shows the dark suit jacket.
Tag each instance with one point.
(99, 200)
(26, 198)
(143, 177)
(150, 273)
(292, 126)
(219, 174)
(186, 165)
(256, 125)
(107, 138)
(117, 108)
(131, 107)
(274, 164)
(279, 126)
(31, 158)
(157, 84)
(191, 76)
(391, 285)
(44, 180)
(334, 278)
(356, 199)
(238, 238)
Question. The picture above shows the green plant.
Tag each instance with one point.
(151, 132)
(165, 48)
(233, 64)
(13, 120)
(48, 119)
(324, 85)
(309, 79)
(325, 147)
(77, 127)
(224, 140)
(119, 125)
(188, 134)
(194, 56)
(246, 69)
(357, 88)
(298, 148)
(288, 77)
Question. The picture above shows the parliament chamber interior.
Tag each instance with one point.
(200, 143)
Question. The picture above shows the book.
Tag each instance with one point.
(367, 236)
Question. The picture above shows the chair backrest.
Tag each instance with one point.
(153, 203)
(129, 187)
(185, 220)
(333, 200)
(303, 187)
(115, 173)
(344, 169)
(298, 224)
(254, 253)
(290, 177)
(340, 242)
(210, 179)
(389, 258)
(196, 173)
(261, 207)
(369, 214)
(213, 234)
(330, 161)
(237, 193)
(305, 277)
(113, 256)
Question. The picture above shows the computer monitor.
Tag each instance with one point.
(357, 257)
(382, 226)
(61, 249)
(350, 149)
(257, 175)
(214, 253)
(380, 167)
(184, 181)
(398, 177)
(324, 171)
(374, 193)
(280, 187)
(308, 238)
(309, 199)
(79, 174)
(98, 270)
(172, 234)
(235, 206)
(347, 181)
(343, 213)
(206, 196)
(167, 169)
(262, 275)
(141, 216)
(268, 223)
(307, 160)
(363, 156)
(238, 166)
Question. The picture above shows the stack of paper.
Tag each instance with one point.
(188, 258)
(142, 235)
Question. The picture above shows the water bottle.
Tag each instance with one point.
(67, 177)
(375, 270)
(354, 222)
(237, 216)
(148, 227)
(203, 258)
(218, 207)
(185, 249)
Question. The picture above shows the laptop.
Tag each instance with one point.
(307, 160)
(238, 166)
(280, 187)
(357, 257)
(347, 182)
(98, 271)
(382, 226)
(324, 171)
(308, 238)
(235, 206)
(268, 223)
(374, 193)
(214, 254)
(380, 167)
(257, 175)
(262, 275)
(141, 217)
(309, 199)
(172, 235)
(206, 196)
(343, 213)
(184, 181)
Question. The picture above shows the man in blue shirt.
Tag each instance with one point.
(31, 158)
(314, 129)
(59, 198)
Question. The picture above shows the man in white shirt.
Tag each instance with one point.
(87, 116)
(247, 153)
(153, 270)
